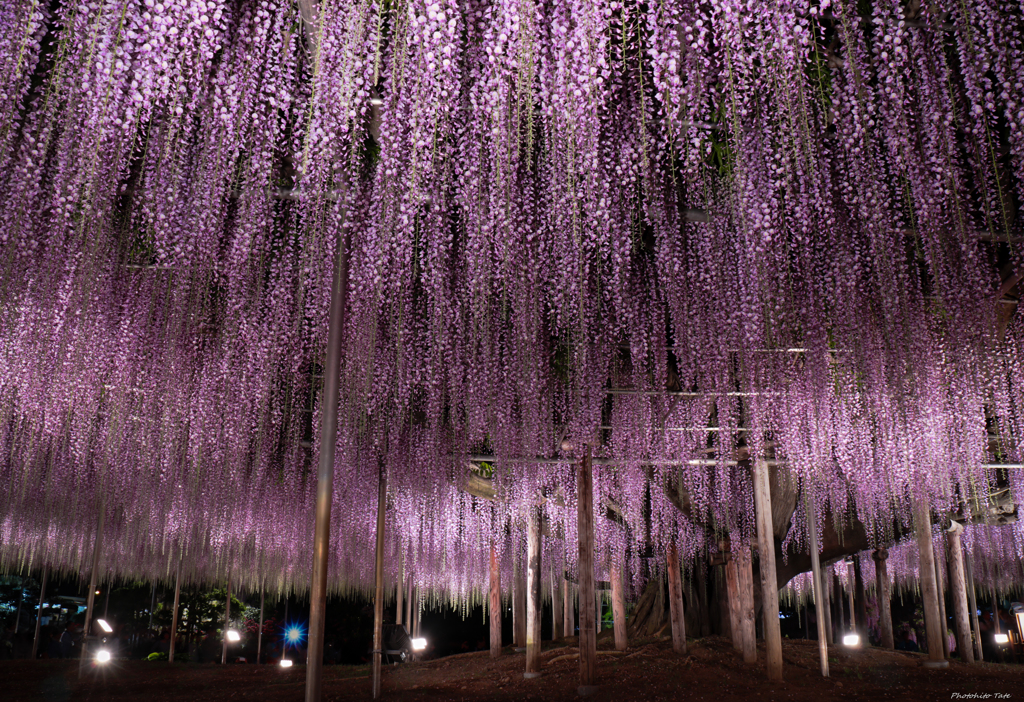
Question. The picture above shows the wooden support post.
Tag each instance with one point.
(860, 600)
(839, 619)
(769, 587)
(851, 579)
(39, 611)
(958, 591)
(619, 610)
(568, 609)
(556, 602)
(826, 605)
(227, 624)
(929, 588)
(495, 604)
(519, 604)
(21, 597)
(174, 617)
(408, 604)
(417, 603)
(941, 576)
(90, 600)
(746, 624)
(378, 576)
(702, 598)
(533, 591)
(884, 598)
(585, 529)
(152, 605)
(995, 611)
(971, 593)
(399, 591)
(732, 586)
(325, 469)
(675, 603)
(820, 599)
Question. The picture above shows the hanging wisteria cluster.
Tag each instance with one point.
(688, 235)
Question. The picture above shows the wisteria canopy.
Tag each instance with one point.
(690, 235)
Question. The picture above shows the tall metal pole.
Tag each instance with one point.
(91, 599)
(819, 599)
(259, 637)
(585, 529)
(39, 613)
(325, 475)
(227, 624)
(378, 604)
(174, 614)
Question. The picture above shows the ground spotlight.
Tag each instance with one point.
(102, 656)
(103, 625)
(233, 635)
(851, 640)
(1002, 638)
(419, 644)
(285, 663)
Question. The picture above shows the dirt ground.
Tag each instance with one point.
(649, 670)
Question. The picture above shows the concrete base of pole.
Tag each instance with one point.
(587, 690)
(531, 676)
(935, 664)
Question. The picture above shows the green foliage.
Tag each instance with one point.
(484, 470)
(161, 656)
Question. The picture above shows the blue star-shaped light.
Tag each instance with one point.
(294, 634)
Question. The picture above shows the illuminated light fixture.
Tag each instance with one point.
(1020, 622)
(285, 663)
(103, 625)
(102, 656)
(851, 640)
(1002, 638)
(97, 592)
(419, 644)
(293, 634)
(234, 635)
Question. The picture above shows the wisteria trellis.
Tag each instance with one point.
(791, 214)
